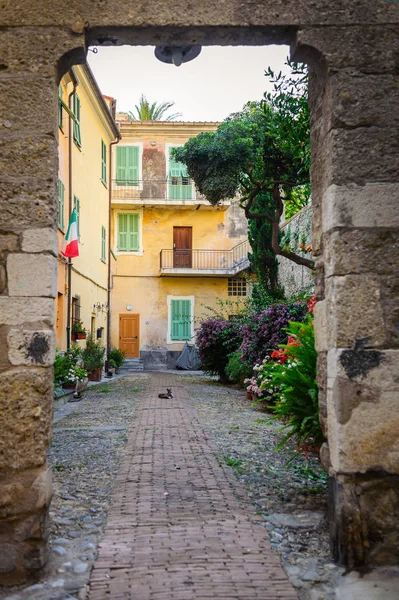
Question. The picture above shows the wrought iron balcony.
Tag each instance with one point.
(205, 262)
(171, 190)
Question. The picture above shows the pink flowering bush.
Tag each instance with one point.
(216, 339)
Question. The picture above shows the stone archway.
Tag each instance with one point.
(353, 54)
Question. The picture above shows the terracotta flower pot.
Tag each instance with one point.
(95, 375)
(249, 395)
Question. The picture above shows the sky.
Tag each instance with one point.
(220, 81)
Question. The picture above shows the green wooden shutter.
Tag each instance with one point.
(60, 109)
(127, 165)
(76, 124)
(132, 161)
(103, 162)
(180, 187)
(76, 204)
(122, 232)
(133, 232)
(180, 320)
(121, 175)
(61, 191)
(103, 242)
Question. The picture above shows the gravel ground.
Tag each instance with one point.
(89, 443)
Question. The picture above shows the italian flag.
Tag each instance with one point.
(71, 238)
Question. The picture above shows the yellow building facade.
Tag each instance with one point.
(173, 253)
(86, 131)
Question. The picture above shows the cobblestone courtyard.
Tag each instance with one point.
(202, 506)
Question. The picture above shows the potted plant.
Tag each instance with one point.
(78, 331)
(116, 358)
(93, 358)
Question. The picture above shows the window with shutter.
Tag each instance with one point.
(128, 232)
(76, 124)
(127, 165)
(76, 204)
(180, 320)
(103, 162)
(103, 243)
(61, 192)
(180, 186)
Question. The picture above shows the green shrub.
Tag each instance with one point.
(93, 355)
(237, 370)
(216, 339)
(291, 375)
(117, 357)
(65, 363)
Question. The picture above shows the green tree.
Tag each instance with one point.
(145, 111)
(261, 154)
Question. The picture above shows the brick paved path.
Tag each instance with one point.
(180, 527)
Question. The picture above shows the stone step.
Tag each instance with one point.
(132, 364)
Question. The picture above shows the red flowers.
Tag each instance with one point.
(281, 357)
(311, 304)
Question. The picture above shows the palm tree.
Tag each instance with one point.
(152, 112)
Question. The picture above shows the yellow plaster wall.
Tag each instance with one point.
(148, 298)
(208, 230)
(90, 273)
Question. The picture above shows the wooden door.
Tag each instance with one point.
(129, 338)
(182, 247)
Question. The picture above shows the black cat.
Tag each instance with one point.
(167, 395)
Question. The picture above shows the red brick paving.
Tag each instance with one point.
(180, 527)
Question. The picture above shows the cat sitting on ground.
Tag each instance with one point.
(167, 395)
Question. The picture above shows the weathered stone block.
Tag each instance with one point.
(363, 155)
(17, 311)
(25, 492)
(8, 557)
(40, 240)
(31, 347)
(361, 251)
(390, 307)
(359, 100)
(354, 311)
(363, 412)
(43, 47)
(320, 326)
(322, 384)
(3, 278)
(28, 202)
(32, 275)
(368, 50)
(9, 242)
(26, 399)
(370, 205)
(42, 152)
(364, 519)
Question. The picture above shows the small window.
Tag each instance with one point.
(76, 204)
(60, 107)
(237, 286)
(61, 193)
(103, 243)
(75, 309)
(127, 165)
(180, 320)
(76, 123)
(128, 232)
(103, 163)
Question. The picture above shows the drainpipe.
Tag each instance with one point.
(70, 196)
(109, 252)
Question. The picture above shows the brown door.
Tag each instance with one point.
(182, 247)
(129, 340)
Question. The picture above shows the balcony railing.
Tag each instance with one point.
(225, 262)
(170, 188)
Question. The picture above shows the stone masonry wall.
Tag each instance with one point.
(352, 49)
(297, 231)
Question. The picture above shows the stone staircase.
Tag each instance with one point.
(132, 364)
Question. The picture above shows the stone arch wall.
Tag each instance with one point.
(353, 51)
